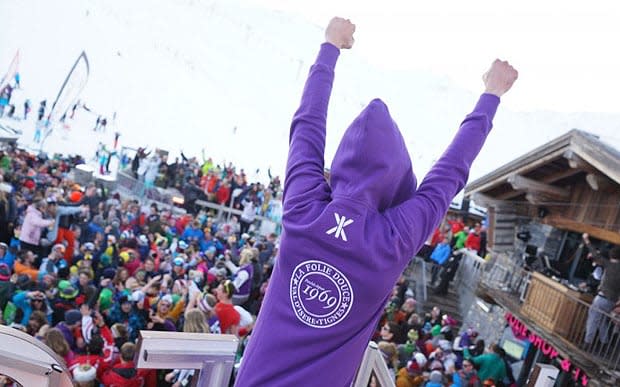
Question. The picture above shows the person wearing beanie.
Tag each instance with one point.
(98, 347)
(435, 379)
(105, 300)
(6, 256)
(412, 374)
(206, 304)
(158, 320)
(52, 263)
(68, 327)
(65, 300)
(84, 375)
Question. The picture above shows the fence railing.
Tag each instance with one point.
(558, 310)
(470, 269)
(131, 186)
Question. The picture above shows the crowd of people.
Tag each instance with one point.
(426, 349)
(84, 270)
(207, 181)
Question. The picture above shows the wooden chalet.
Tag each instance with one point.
(538, 207)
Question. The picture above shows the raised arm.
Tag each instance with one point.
(304, 169)
(415, 219)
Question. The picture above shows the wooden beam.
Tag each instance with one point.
(598, 182)
(574, 161)
(572, 225)
(510, 195)
(542, 199)
(568, 172)
(522, 165)
(489, 202)
(519, 182)
(600, 156)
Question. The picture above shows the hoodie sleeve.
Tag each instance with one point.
(415, 219)
(304, 169)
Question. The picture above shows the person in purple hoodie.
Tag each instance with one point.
(346, 241)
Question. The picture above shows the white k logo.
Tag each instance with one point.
(339, 228)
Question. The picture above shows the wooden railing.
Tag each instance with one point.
(560, 312)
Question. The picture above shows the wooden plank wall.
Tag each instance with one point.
(597, 208)
(501, 233)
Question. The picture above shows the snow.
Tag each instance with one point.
(183, 74)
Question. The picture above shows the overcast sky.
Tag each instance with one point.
(181, 74)
(566, 51)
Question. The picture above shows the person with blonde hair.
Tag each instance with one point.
(227, 315)
(389, 351)
(194, 323)
(243, 275)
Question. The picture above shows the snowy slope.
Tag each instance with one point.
(182, 74)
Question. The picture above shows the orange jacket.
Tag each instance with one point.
(20, 268)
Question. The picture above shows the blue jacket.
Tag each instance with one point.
(193, 233)
(441, 253)
(9, 258)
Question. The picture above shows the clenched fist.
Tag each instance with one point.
(339, 32)
(500, 77)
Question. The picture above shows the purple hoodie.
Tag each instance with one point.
(343, 247)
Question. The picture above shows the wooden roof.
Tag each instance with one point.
(545, 169)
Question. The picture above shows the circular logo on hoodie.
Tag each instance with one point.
(321, 295)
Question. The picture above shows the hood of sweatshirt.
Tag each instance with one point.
(372, 164)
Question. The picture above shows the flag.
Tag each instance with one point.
(10, 74)
(71, 88)
(68, 94)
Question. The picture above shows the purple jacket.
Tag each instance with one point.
(344, 246)
(66, 332)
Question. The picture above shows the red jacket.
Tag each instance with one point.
(456, 226)
(126, 375)
(223, 194)
(473, 242)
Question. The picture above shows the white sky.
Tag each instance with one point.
(566, 51)
(180, 74)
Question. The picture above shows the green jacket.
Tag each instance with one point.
(5, 163)
(460, 239)
(491, 366)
